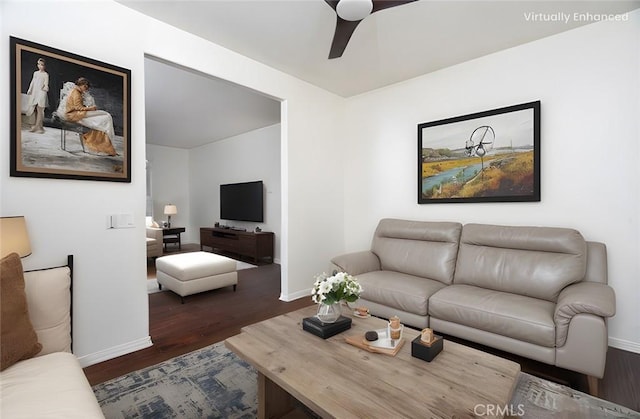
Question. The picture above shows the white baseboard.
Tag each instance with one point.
(114, 352)
(296, 295)
(624, 345)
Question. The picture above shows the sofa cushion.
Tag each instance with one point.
(532, 261)
(50, 386)
(516, 316)
(394, 289)
(420, 248)
(18, 339)
(49, 299)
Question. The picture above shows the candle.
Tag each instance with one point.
(394, 322)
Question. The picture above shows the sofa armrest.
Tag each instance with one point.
(358, 262)
(154, 233)
(583, 297)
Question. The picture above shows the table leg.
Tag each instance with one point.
(273, 401)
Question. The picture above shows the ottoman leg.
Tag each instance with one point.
(234, 287)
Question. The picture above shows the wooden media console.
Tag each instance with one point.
(257, 246)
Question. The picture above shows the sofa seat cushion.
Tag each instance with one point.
(49, 386)
(398, 290)
(516, 316)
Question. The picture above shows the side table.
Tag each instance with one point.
(172, 235)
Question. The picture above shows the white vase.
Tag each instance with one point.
(328, 313)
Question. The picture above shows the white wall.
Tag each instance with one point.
(190, 179)
(246, 157)
(588, 82)
(68, 216)
(65, 216)
(170, 185)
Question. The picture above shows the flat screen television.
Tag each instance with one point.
(242, 201)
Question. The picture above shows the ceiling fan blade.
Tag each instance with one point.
(344, 30)
(333, 4)
(385, 4)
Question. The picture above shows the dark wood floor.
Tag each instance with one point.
(203, 319)
(213, 316)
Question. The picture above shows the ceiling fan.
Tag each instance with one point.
(349, 13)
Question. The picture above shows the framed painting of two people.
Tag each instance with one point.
(70, 115)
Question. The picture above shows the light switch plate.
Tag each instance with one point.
(121, 221)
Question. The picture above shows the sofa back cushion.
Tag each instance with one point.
(420, 248)
(533, 261)
(49, 297)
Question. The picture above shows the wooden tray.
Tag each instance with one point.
(361, 342)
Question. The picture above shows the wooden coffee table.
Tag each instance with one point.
(338, 380)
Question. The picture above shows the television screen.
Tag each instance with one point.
(242, 201)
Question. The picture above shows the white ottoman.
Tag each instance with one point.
(191, 273)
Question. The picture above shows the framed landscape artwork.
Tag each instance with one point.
(70, 115)
(490, 156)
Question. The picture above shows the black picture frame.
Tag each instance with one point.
(489, 156)
(61, 148)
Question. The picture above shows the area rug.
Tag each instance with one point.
(539, 398)
(214, 383)
(208, 383)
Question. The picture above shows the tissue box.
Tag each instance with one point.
(425, 352)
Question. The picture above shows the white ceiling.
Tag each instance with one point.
(199, 109)
(388, 46)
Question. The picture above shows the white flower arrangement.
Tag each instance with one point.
(333, 289)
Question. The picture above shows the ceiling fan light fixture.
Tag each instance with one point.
(354, 10)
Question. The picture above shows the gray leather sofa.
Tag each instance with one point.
(538, 292)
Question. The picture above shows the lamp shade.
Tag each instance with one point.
(170, 209)
(14, 237)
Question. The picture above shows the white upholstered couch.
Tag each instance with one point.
(154, 242)
(52, 383)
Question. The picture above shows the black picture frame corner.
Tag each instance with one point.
(488, 156)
